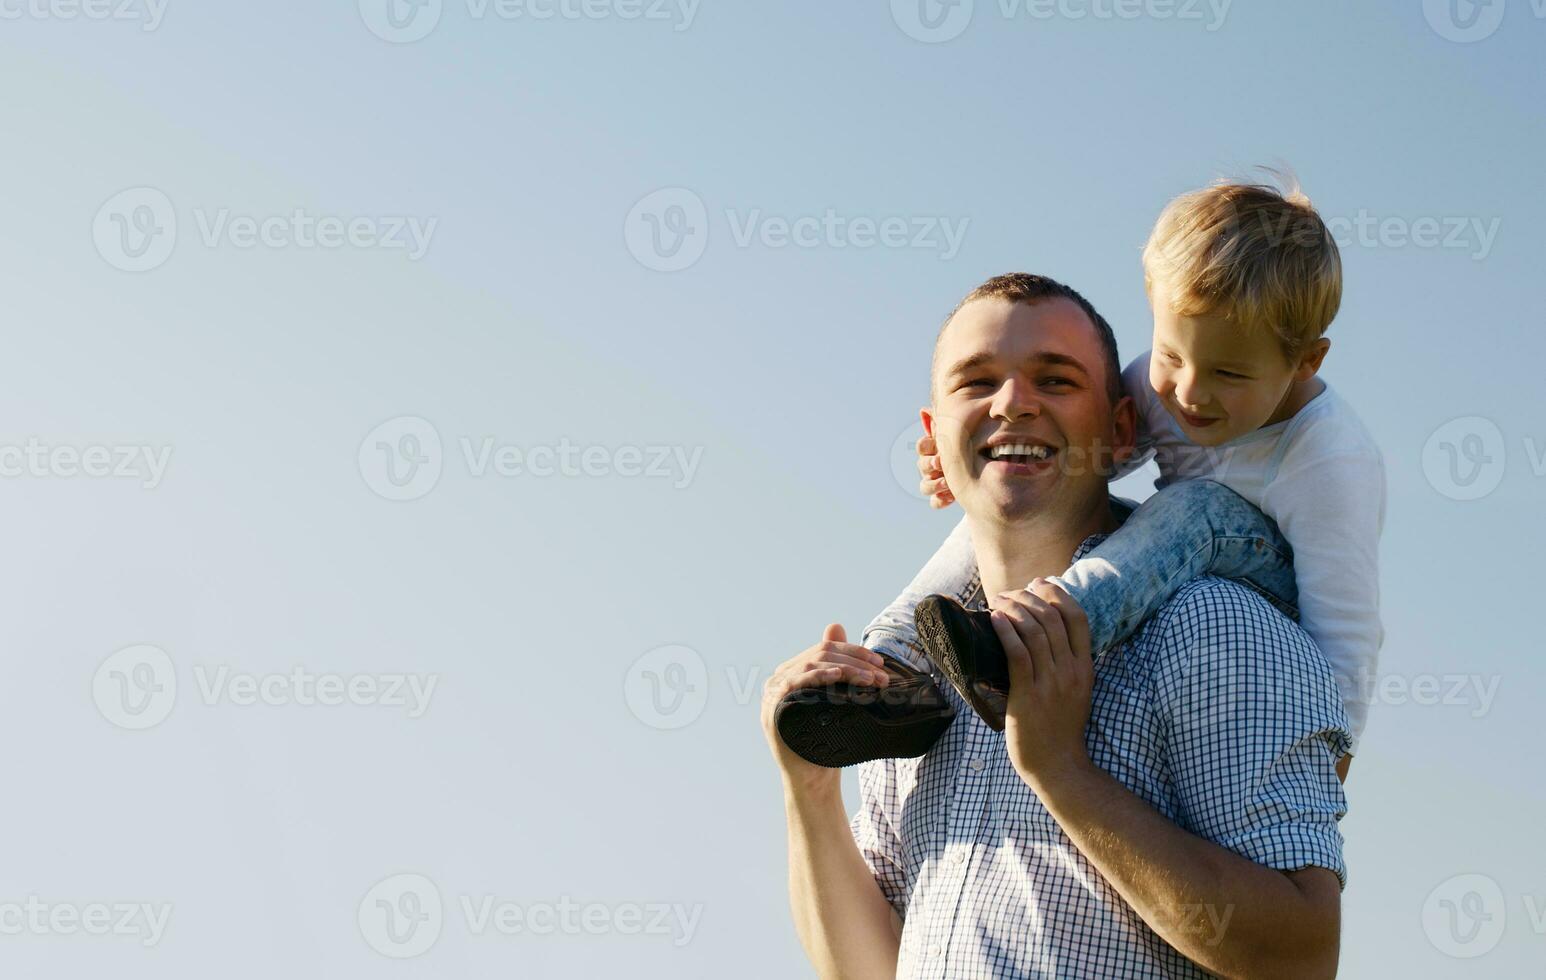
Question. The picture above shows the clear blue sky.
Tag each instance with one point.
(777, 376)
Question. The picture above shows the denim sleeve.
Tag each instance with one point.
(952, 571)
(1254, 726)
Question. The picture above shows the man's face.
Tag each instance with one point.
(1021, 414)
(1216, 378)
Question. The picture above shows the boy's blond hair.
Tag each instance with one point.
(1251, 253)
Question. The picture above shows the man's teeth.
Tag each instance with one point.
(1034, 452)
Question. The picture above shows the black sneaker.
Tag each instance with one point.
(962, 644)
(845, 724)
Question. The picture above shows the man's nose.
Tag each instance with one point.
(1015, 399)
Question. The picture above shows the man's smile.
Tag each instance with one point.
(1018, 455)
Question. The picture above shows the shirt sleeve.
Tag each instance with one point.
(876, 835)
(951, 571)
(1254, 728)
(1331, 510)
(1135, 382)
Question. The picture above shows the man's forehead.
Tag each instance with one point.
(1054, 328)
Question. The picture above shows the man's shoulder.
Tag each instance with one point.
(1224, 620)
(1218, 638)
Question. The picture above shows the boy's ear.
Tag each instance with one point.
(1310, 360)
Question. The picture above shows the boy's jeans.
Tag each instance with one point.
(1192, 528)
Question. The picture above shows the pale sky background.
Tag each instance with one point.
(544, 773)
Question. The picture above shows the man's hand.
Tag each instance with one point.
(1047, 640)
(831, 661)
(933, 483)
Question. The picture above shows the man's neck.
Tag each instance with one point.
(1010, 555)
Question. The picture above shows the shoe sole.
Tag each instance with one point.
(940, 642)
(839, 735)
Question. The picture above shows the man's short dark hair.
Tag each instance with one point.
(1023, 287)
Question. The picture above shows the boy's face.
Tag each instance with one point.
(1217, 379)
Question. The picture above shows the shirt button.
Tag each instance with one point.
(934, 950)
(958, 857)
(976, 765)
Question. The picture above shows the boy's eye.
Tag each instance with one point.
(1231, 375)
(1173, 359)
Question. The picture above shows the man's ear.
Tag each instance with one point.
(1310, 360)
(928, 421)
(1124, 424)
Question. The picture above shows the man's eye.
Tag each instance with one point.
(974, 382)
(1058, 381)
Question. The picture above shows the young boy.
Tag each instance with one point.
(1243, 281)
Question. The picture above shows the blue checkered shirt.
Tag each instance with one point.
(1219, 712)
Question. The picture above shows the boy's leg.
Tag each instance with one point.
(1192, 528)
(951, 571)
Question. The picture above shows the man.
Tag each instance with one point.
(1167, 810)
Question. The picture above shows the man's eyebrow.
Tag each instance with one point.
(1052, 357)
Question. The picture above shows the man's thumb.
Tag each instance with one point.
(834, 633)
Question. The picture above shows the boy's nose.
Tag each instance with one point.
(1188, 392)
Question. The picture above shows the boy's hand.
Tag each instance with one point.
(834, 660)
(933, 483)
(1047, 640)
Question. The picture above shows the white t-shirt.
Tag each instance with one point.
(1322, 478)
